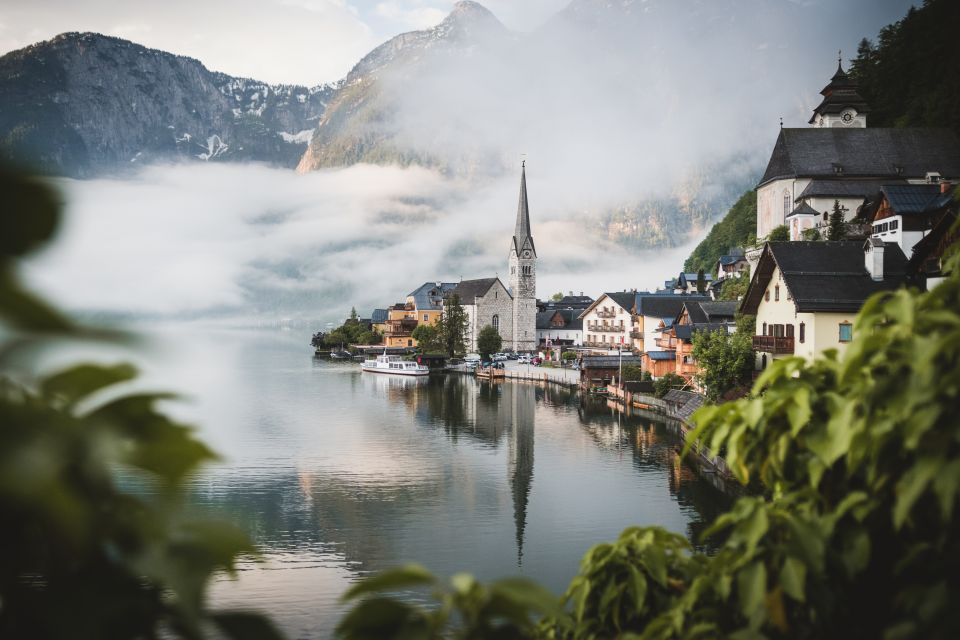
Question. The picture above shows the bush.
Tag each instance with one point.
(779, 234)
(667, 382)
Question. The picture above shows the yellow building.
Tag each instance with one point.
(424, 305)
(806, 295)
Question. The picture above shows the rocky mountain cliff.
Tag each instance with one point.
(361, 121)
(84, 104)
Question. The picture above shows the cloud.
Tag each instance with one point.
(254, 244)
(417, 16)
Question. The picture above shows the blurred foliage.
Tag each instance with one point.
(850, 524)
(95, 542)
(668, 381)
(737, 229)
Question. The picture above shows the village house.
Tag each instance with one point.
(806, 295)
(697, 316)
(654, 312)
(600, 370)
(906, 213)
(840, 159)
(569, 301)
(689, 283)
(731, 265)
(559, 328)
(401, 321)
(608, 322)
(378, 320)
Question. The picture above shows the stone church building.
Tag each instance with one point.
(512, 310)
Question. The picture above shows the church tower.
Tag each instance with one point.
(523, 275)
(842, 106)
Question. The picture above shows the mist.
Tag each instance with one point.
(252, 245)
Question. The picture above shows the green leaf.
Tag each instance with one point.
(945, 485)
(410, 575)
(527, 594)
(798, 411)
(912, 485)
(378, 618)
(752, 588)
(638, 585)
(793, 577)
(78, 382)
(31, 214)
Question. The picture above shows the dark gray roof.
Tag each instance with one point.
(863, 153)
(824, 276)
(623, 298)
(908, 199)
(571, 319)
(731, 259)
(379, 316)
(609, 362)
(430, 295)
(685, 332)
(839, 188)
(663, 306)
(468, 290)
(719, 310)
(804, 210)
(575, 301)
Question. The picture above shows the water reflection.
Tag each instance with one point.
(336, 473)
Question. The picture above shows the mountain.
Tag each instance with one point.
(362, 122)
(84, 104)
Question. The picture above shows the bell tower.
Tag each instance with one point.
(523, 275)
(842, 106)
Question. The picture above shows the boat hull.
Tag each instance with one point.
(396, 372)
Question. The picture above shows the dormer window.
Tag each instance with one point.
(837, 169)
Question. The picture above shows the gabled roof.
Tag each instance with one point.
(571, 319)
(733, 259)
(824, 276)
(429, 296)
(663, 306)
(623, 298)
(685, 332)
(469, 290)
(379, 316)
(863, 153)
(844, 188)
(911, 199)
(803, 210)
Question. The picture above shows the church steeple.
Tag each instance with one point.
(521, 235)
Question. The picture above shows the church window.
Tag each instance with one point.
(786, 203)
(803, 332)
(496, 322)
(766, 295)
(513, 271)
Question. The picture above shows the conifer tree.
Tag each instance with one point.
(453, 325)
(838, 228)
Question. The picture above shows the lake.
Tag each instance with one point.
(336, 473)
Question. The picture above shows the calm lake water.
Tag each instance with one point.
(335, 473)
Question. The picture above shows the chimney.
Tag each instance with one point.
(945, 186)
(873, 257)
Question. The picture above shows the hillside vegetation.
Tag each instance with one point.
(909, 76)
(736, 229)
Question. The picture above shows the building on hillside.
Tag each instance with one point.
(608, 322)
(806, 295)
(906, 213)
(689, 283)
(697, 316)
(559, 328)
(925, 266)
(840, 158)
(731, 265)
(487, 301)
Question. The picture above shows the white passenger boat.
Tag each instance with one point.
(394, 365)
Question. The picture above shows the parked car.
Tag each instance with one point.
(524, 359)
(513, 355)
(499, 357)
(472, 357)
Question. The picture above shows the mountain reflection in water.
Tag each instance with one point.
(336, 473)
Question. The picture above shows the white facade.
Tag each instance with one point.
(607, 325)
(575, 336)
(890, 229)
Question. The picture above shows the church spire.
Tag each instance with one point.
(521, 235)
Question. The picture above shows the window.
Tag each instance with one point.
(764, 329)
(786, 203)
(894, 224)
(803, 332)
(496, 322)
(789, 330)
(846, 332)
(425, 317)
(513, 271)
(776, 293)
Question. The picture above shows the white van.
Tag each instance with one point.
(472, 357)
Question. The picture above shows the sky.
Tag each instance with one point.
(279, 41)
(663, 106)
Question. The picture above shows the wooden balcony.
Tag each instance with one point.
(606, 328)
(400, 328)
(606, 314)
(773, 344)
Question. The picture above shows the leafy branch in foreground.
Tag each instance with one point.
(850, 525)
(95, 542)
